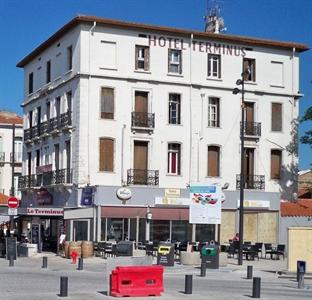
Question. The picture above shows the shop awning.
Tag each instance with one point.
(159, 213)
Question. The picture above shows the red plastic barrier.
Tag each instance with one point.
(137, 281)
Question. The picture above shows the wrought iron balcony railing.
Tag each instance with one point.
(46, 127)
(252, 182)
(56, 177)
(252, 129)
(143, 177)
(143, 120)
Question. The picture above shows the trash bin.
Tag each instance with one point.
(210, 256)
(124, 248)
(165, 255)
(301, 267)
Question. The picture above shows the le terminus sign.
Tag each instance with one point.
(33, 211)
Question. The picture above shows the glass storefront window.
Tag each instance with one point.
(103, 226)
(142, 226)
(117, 229)
(205, 232)
(181, 231)
(160, 230)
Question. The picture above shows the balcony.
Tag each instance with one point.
(143, 121)
(56, 177)
(252, 182)
(252, 129)
(51, 126)
(142, 177)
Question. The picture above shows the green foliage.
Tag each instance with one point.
(307, 137)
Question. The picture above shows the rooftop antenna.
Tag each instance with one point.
(214, 23)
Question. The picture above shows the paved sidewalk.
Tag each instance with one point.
(28, 281)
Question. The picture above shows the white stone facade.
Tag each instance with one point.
(104, 56)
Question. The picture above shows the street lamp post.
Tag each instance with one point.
(242, 179)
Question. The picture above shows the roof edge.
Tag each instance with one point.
(299, 47)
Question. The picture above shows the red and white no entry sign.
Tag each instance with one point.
(12, 202)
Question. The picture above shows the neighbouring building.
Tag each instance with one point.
(120, 118)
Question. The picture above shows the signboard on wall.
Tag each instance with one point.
(255, 204)
(205, 207)
(35, 211)
(87, 196)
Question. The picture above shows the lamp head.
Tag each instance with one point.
(239, 82)
(236, 91)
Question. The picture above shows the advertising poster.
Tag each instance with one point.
(205, 207)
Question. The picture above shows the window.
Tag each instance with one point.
(56, 156)
(174, 61)
(277, 73)
(174, 159)
(276, 117)
(174, 109)
(18, 149)
(106, 154)
(107, 103)
(48, 110)
(108, 57)
(276, 164)
(30, 119)
(48, 72)
(250, 65)
(69, 58)
(30, 83)
(46, 155)
(69, 101)
(214, 112)
(58, 106)
(214, 66)
(38, 158)
(142, 58)
(214, 161)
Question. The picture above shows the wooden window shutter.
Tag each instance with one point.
(276, 164)
(106, 154)
(213, 161)
(136, 57)
(219, 59)
(147, 59)
(180, 62)
(276, 117)
(107, 103)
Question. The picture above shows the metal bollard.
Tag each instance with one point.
(203, 269)
(188, 284)
(11, 262)
(249, 272)
(256, 286)
(64, 286)
(44, 262)
(301, 280)
(301, 267)
(80, 263)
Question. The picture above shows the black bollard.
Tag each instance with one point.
(44, 262)
(203, 269)
(64, 286)
(11, 262)
(249, 272)
(301, 267)
(188, 284)
(256, 286)
(80, 263)
(301, 280)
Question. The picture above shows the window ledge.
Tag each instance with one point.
(174, 175)
(104, 119)
(277, 86)
(68, 72)
(107, 68)
(214, 79)
(170, 124)
(277, 131)
(216, 177)
(175, 74)
(214, 127)
(142, 71)
(251, 82)
(106, 172)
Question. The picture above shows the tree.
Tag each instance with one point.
(307, 137)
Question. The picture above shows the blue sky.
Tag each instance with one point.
(24, 24)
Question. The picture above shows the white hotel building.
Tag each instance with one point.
(110, 103)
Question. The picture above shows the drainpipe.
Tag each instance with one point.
(89, 91)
